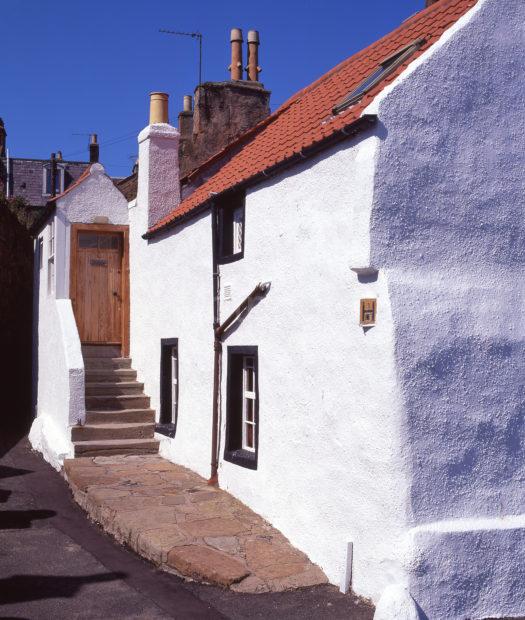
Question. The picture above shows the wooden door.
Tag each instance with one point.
(99, 298)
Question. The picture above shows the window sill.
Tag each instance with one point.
(231, 258)
(166, 429)
(243, 458)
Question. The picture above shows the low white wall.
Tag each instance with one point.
(60, 400)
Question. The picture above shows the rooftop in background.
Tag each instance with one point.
(306, 120)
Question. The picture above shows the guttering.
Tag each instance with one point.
(348, 131)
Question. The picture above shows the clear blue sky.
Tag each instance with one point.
(80, 67)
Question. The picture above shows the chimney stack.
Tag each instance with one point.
(158, 189)
(59, 155)
(93, 149)
(252, 68)
(236, 63)
(158, 108)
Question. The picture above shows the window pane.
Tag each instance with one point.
(249, 409)
(237, 230)
(87, 240)
(249, 436)
(249, 386)
(108, 242)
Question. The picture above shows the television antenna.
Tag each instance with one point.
(193, 35)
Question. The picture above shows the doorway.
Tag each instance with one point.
(99, 286)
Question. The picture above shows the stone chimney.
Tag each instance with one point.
(158, 174)
(224, 110)
(3, 135)
(93, 149)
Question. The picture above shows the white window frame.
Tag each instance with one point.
(248, 364)
(174, 360)
(51, 258)
(60, 176)
(40, 250)
(238, 217)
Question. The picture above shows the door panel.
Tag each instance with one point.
(98, 300)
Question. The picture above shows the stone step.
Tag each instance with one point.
(131, 430)
(109, 447)
(110, 375)
(101, 350)
(106, 363)
(114, 389)
(121, 416)
(124, 401)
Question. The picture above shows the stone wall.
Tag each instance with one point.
(16, 276)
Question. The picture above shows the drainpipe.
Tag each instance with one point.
(217, 346)
(218, 332)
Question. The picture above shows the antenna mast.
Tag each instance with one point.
(193, 35)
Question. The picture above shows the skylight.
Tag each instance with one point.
(385, 68)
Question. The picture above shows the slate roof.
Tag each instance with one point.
(71, 187)
(306, 119)
(26, 177)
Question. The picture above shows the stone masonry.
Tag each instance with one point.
(169, 515)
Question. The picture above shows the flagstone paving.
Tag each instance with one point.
(169, 515)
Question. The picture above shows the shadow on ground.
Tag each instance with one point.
(24, 588)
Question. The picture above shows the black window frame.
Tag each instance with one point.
(166, 426)
(233, 450)
(226, 206)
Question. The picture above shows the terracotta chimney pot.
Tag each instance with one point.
(158, 108)
(236, 45)
(253, 69)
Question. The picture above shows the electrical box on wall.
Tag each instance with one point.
(368, 311)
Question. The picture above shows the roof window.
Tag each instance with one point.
(384, 68)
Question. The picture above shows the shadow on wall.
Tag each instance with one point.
(16, 292)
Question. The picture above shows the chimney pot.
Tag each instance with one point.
(59, 155)
(236, 45)
(158, 109)
(253, 69)
(187, 103)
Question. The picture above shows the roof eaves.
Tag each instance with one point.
(347, 131)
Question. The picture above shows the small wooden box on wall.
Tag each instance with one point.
(368, 312)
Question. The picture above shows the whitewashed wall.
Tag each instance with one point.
(171, 297)
(330, 468)
(60, 392)
(448, 229)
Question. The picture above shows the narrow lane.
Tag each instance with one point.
(54, 563)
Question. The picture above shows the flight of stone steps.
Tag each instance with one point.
(118, 415)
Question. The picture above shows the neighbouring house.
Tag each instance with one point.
(326, 310)
(38, 180)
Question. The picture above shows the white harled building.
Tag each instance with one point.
(327, 313)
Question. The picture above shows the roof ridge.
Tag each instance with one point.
(402, 26)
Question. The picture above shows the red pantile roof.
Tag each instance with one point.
(306, 119)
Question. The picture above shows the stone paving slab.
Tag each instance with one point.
(170, 515)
